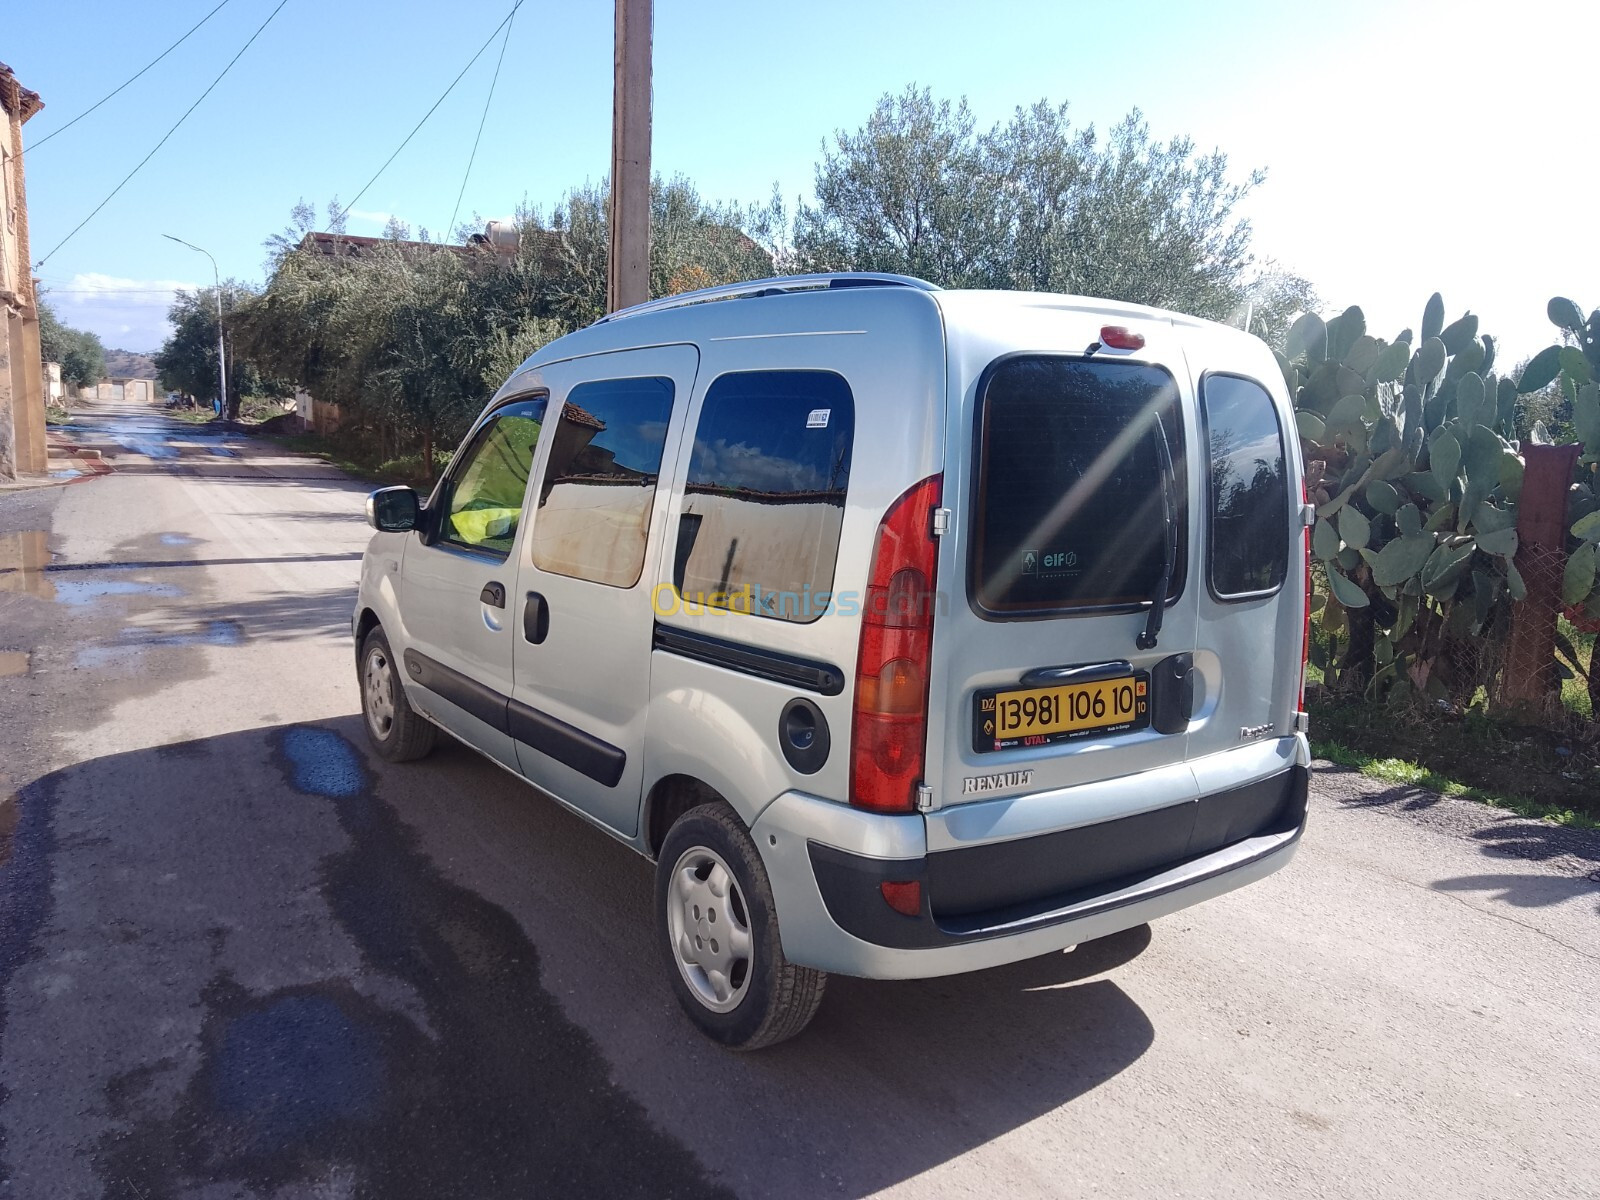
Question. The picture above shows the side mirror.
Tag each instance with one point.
(394, 510)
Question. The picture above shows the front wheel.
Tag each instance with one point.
(395, 729)
(716, 924)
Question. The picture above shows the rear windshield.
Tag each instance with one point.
(1068, 510)
(1249, 488)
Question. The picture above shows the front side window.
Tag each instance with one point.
(1068, 507)
(764, 500)
(600, 481)
(1249, 548)
(482, 502)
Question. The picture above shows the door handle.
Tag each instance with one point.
(535, 618)
(1083, 673)
(493, 594)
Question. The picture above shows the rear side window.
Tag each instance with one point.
(1068, 503)
(1249, 549)
(764, 500)
(600, 480)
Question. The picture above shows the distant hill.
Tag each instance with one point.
(125, 364)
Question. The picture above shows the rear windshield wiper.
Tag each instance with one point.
(1169, 528)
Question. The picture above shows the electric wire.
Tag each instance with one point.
(164, 136)
(62, 129)
(449, 230)
(486, 43)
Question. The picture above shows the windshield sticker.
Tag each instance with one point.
(818, 418)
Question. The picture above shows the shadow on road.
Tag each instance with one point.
(373, 1017)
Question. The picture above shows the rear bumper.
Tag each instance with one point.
(995, 903)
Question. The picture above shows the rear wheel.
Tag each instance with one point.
(395, 729)
(716, 924)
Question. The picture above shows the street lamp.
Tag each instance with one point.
(222, 363)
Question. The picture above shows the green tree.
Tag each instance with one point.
(80, 353)
(187, 361)
(1035, 203)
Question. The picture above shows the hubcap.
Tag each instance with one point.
(378, 690)
(710, 929)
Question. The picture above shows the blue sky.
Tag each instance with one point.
(1410, 146)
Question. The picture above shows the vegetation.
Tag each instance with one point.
(1411, 464)
(1035, 203)
(409, 338)
(82, 357)
(187, 362)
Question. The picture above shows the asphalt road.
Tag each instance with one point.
(242, 958)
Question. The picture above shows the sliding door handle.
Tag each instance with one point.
(535, 619)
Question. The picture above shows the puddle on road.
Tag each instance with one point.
(132, 642)
(324, 763)
(178, 539)
(78, 592)
(13, 663)
(23, 558)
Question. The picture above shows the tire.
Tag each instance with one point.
(396, 730)
(745, 1000)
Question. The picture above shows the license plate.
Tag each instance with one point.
(1005, 718)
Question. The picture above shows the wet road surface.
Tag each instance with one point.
(241, 958)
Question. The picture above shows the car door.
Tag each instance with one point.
(457, 580)
(585, 622)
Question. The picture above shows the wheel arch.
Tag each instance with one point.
(668, 799)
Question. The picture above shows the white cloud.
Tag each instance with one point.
(379, 219)
(128, 314)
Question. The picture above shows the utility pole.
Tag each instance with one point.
(222, 349)
(628, 265)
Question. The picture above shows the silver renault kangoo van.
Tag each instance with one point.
(908, 631)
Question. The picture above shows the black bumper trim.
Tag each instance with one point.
(849, 883)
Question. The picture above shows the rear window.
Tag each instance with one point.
(1249, 488)
(764, 500)
(1068, 508)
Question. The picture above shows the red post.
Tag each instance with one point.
(1531, 679)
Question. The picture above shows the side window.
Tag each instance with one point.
(482, 501)
(600, 482)
(1249, 488)
(764, 500)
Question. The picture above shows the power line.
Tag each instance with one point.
(449, 230)
(164, 136)
(429, 113)
(35, 146)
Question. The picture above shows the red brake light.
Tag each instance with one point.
(890, 727)
(1120, 337)
(903, 897)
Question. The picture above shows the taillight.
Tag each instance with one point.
(1305, 637)
(890, 728)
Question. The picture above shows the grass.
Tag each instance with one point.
(407, 469)
(1398, 770)
(1531, 771)
(56, 417)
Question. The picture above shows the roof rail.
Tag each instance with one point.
(777, 286)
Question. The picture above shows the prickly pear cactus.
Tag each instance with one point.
(1415, 478)
(1576, 362)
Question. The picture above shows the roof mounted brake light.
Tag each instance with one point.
(1120, 337)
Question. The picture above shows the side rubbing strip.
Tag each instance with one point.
(467, 694)
(822, 678)
(567, 744)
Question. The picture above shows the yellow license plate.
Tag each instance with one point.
(1039, 716)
